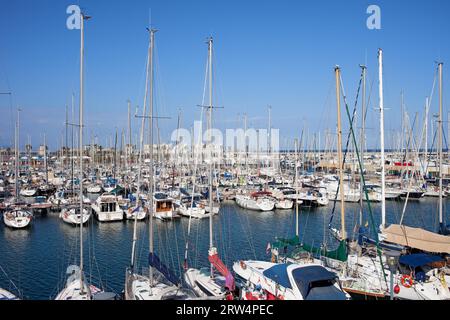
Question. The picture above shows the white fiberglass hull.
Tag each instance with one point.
(164, 215)
(285, 204)
(203, 285)
(260, 204)
(194, 212)
(28, 192)
(107, 216)
(130, 214)
(72, 290)
(72, 217)
(94, 189)
(368, 277)
(6, 295)
(17, 219)
(137, 287)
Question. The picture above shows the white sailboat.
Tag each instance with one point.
(369, 272)
(204, 282)
(160, 283)
(17, 216)
(255, 201)
(72, 215)
(76, 287)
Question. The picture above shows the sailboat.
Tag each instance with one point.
(16, 215)
(289, 280)
(160, 283)
(204, 281)
(76, 287)
(370, 272)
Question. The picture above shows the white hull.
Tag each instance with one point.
(73, 285)
(94, 189)
(164, 215)
(367, 276)
(261, 204)
(107, 209)
(130, 215)
(137, 287)
(203, 285)
(253, 272)
(28, 192)
(6, 295)
(194, 212)
(284, 204)
(18, 219)
(72, 217)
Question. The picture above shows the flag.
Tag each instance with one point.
(268, 248)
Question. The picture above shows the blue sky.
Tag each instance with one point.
(278, 53)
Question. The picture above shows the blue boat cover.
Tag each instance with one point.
(306, 276)
(154, 261)
(278, 273)
(419, 259)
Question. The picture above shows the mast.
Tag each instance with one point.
(363, 123)
(128, 150)
(150, 237)
(141, 142)
(115, 156)
(81, 148)
(45, 159)
(337, 71)
(426, 135)
(403, 125)
(441, 222)
(383, 200)
(296, 187)
(67, 137)
(210, 48)
(17, 154)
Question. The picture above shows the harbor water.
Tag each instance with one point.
(35, 259)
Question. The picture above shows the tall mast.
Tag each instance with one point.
(337, 71)
(128, 149)
(380, 75)
(67, 137)
(141, 143)
(296, 188)
(363, 123)
(403, 125)
(210, 48)
(441, 222)
(81, 148)
(17, 154)
(150, 197)
(45, 159)
(426, 134)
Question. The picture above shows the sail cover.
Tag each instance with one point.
(154, 261)
(417, 238)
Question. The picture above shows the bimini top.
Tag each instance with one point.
(419, 259)
(278, 273)
(307, 277)
(417, 238)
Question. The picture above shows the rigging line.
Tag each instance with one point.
(413, 147)
(347, 143)
(193, 183)
(363, 180)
